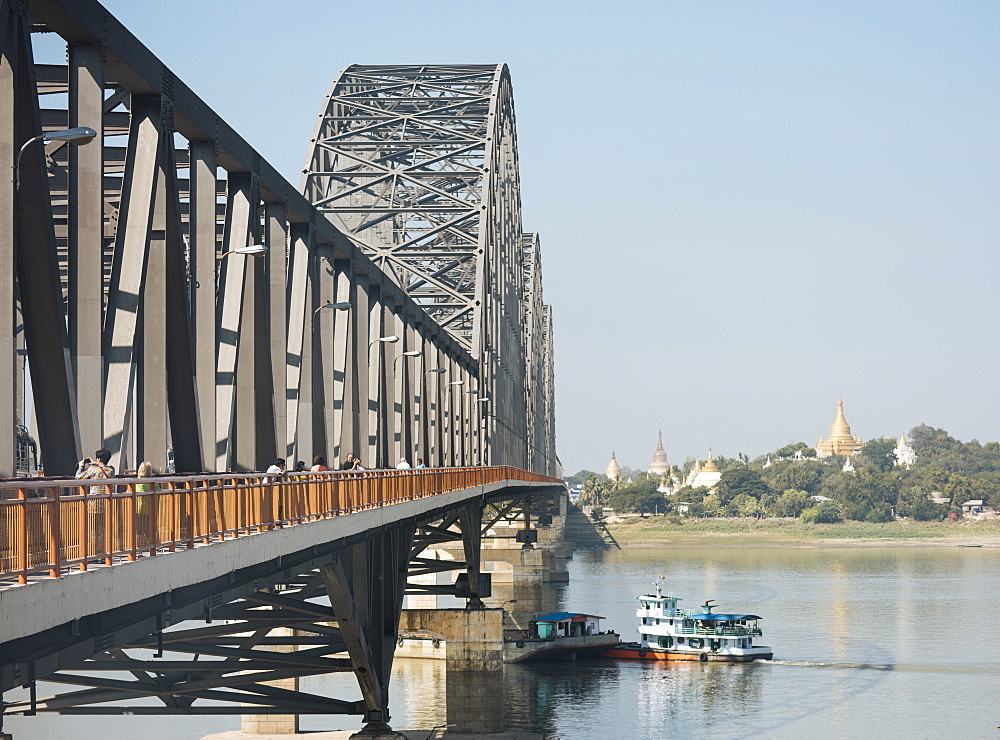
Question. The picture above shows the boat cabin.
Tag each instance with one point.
(564, 624)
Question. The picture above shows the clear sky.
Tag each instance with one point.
(744, 206)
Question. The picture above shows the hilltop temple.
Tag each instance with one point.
(659, 465)
(614, 470)
(904, 453)
(840, 441)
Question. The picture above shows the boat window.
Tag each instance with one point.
(680, 640)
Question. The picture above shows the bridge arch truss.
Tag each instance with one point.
(417, 165)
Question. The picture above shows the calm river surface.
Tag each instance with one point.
(868, 642)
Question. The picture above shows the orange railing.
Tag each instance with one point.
(50, 526)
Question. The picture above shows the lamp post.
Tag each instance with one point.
(79, 136)
(391, 339)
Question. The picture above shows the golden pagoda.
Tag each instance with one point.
(840, 441)
(659, 465)
(706, 475)
(614, 470)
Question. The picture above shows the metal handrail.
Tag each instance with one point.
(54, 525)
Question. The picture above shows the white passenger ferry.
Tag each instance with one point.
(669, 633)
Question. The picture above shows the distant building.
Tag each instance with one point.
(707, 475)
(659, 465)
(975, 506)
(614, 470)
(904, 453)
(840, 441)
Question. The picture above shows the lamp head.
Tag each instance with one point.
(437, 370)
(457, 382)
(412, 353)
(254, 250)
(391, 340)
(79, 135)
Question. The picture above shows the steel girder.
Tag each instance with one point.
(418, 164)
(540, 390)
(228, 363)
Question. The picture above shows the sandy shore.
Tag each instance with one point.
(658, 532)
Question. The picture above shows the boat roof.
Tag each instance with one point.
(563, 616)
(661, 596)
(723, 617)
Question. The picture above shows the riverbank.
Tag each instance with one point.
(660, 531)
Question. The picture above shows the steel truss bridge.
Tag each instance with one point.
(166, 294)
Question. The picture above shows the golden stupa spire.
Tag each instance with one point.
(614, 470)
(710, 466)
(840, 428)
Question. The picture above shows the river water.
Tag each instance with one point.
(868, 643)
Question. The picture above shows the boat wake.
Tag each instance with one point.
(826, 664)
(989, 669)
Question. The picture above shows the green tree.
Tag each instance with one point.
(743, 505)
(925, 510)
(691, 494)
(824, 513)
(878, 453)
(741, 480)
(712, 505)
(791, 503)
(801, 476)
(597, 489)
(578, 478)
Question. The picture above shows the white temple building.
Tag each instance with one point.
(706, 475)
(904, 453)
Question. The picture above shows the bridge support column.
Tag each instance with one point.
(473, 663)
(365, 583)
(275, 724)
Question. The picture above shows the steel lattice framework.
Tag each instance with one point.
(418, 164)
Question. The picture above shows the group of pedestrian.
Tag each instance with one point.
(277, 469)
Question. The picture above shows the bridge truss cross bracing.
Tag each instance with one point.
(417, 164)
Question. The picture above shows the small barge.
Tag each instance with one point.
(558, 636)
(669, 633)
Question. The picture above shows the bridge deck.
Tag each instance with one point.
(73, 545)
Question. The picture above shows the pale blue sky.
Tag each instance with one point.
(744, 206)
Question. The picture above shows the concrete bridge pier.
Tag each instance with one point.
(275, 724)
(473, 663)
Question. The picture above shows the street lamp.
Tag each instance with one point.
(335, 306)
(408, 353)
(80, 135)
(253, 250)
(390, 339)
